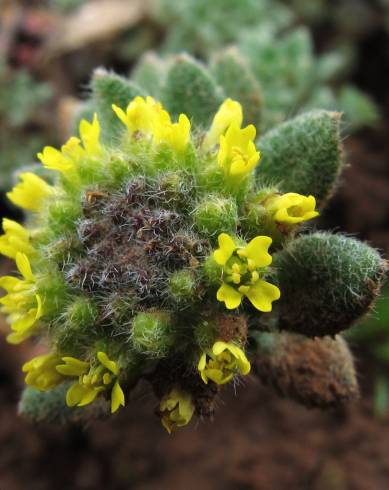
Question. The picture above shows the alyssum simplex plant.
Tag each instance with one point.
(161, 255)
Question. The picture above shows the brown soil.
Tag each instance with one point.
(257, 441)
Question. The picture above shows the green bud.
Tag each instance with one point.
(327, 282)
(182, 285)
(303, 155)
(153, 333)
(216, 215)
(205, 334)
(81, 314)
(213, 271)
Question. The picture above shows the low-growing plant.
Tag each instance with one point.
(175, 250)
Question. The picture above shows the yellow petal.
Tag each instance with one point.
(73, 367)
(106, 362)
(226, 249)
(202, 362)
(219, 346)
(117, 397)
(89, 396)
(231, 297)
(24, 267)
(262, 294)
(229, 112)
(120, 114)
(90, 134)
(257, 251)
(53, 159)
(217, 376)
(75, 394)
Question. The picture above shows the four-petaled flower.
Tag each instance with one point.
(176, 409)
(237, 154)
(22, 305)
(291, 208)
(222, 363)
(242, 270)
(93, 378)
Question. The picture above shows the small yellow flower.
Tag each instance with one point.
(141, 114)
(31, 192)
(15, 239)
(176, 410)
(150, 118)
(175, 135)
(237, 154)
(93, 378)
(230, 112)
(222, 363)
(291, 208)
(22, 305)
(41, 372)
(242, 271)
(68, 159)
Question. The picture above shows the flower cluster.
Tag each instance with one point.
(116, 254)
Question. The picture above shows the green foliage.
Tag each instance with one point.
(327, 282)
(297, 152)
(200, 26)
(189, 89)
(269, 54)
(20, 96)
(107, 89)
(234, 75)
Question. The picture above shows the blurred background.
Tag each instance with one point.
(315, 54)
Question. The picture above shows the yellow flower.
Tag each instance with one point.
(176, 410)
(222, 363)
(93, 378)
(41, 372)
(237, 154)
(175, 135)
(141, 114)
(31, 192)
(72, 152)
(16, 239)
(22, 305)
(291, 208)
(242, 270)
(150, 118)
(230, 112)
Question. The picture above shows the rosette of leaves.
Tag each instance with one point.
(170, 249)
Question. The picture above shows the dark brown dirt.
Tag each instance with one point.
(257, 441)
